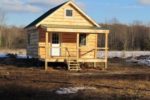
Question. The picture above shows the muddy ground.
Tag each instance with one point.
(22, 79)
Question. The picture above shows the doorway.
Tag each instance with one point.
(55, 44)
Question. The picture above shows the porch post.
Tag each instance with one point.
(77, 46)
(106, 50)
(95, 51)
(46, 51)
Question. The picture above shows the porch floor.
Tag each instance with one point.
(79, 60)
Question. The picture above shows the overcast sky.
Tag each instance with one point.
(22, 12)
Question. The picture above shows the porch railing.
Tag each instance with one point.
(98, 53)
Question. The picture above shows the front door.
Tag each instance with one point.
(55, 44)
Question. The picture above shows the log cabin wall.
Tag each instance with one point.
(41, 43)
(32, 47)
(59, 18)
(68, 40)
(69, 27)
(88, 50)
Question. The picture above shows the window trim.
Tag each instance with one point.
(65, 14)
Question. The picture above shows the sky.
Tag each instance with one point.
(22, 12)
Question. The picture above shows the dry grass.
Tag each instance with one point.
(120, 82)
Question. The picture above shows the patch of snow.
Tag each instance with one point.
(3, 55)
(123, 54)
(144, 62)
(141, 61)
(73, 90)
(23, 56)
(19, 56)
(132, 60)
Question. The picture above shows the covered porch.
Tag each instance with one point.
(69, 48)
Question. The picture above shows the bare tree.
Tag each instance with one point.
(2, 21)
(128, 37)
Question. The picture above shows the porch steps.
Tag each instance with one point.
(73, 65)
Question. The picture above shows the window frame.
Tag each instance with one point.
(66, 13)
(83, 41)
(55, 38)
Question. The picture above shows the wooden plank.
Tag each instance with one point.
(77, 42)
(91, 60)
(46, 51)
(106, 50)
(50, 44)
(96, 40)
(76, 30)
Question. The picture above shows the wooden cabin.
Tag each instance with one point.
(66, 34)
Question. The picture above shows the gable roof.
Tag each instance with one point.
(49, 12)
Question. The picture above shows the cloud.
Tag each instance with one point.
(18, 6)
(48, 3)
(45, 2)
(144, 2)
(30, 6)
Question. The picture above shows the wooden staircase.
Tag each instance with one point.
(73, 65)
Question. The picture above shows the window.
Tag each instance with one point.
(55, 38)
(82, 39)
(69, 13)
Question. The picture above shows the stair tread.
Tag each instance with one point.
(72, 61)
(74, 69)
(73, 65)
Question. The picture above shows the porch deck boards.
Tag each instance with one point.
(79, 60)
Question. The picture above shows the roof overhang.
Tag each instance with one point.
(31, 28)
(73, 29)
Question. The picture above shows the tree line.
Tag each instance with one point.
(128, 37)
(12, 37)
(135, 36)
(121, 37)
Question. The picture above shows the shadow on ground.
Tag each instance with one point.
(12, 60)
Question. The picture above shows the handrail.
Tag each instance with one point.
(98, 48)
(67, 52)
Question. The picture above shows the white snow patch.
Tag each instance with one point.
(132, 60)
(123, 54)
(23, 56)
(141, 61)
(3, 55)
(144, 62)
(19, 56)
(73, 90)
